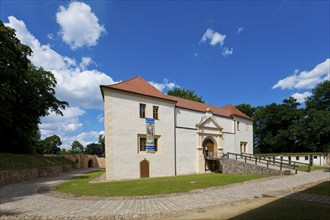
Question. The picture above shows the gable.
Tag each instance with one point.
(210, 123)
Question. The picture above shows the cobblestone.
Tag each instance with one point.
(33, 200)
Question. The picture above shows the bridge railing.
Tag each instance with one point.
(281, 163)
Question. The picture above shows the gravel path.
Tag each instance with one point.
(34, 200)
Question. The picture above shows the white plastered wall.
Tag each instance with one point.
(186, 151)
(244, 134)
(122, 126)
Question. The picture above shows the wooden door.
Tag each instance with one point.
(144, 169)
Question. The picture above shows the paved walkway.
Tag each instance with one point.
(26, 200)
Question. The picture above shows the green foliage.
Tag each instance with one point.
(94, 148)
(77, 147)
(149, 186)
(49, 145)
(246, 109)
(186, 94)
(274, 125)
(320, 99)
(287, 128)
(102, 143)
(26, 94)
(317, 118)
(25, 161)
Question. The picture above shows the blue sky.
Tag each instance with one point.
(255, 52)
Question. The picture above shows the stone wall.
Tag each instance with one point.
(232, 166)
(14, 176)
(101, 162)
(86, 160)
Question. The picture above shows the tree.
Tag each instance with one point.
(186, 94)
(77, 147)
(275, 126)
(94, 148)
(49, 145)
(26, 94)
(317, 118)
(102, 143)
(246, 109)
(320, 98)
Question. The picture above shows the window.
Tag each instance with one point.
(306, 157)
(244, 147)
(297, 158)
(238, 126)
(143, 142)
(142, 110)
(155, 112)
(315, 157)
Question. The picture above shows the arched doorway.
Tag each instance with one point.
(211, 164)
(144, 169)
(208, 147)
(90, 163)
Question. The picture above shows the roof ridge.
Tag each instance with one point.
(198, 102)
(124, 81)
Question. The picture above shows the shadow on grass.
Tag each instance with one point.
(290, 208)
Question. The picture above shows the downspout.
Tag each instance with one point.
(175, 173)
(235, 137)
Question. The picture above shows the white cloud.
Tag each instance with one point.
(85, 62)
(301, 97)
(76, 85)
(65, 125)
(84, 138)
(240, 29)
(50, 36)
(42, 55)
(100, 118)
(306, 79)
(82, 87)
(57, 124)
(213, 37)
(227, 52)
(166, 85)
(79, 25)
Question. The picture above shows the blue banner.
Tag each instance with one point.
(150, 132)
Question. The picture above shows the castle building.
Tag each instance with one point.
(150, 134)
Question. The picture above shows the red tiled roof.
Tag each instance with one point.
(139, 86)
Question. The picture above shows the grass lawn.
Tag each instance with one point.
(321, 189)
(149, 186)
(285, 208)
(305, 168)
(26, 161)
